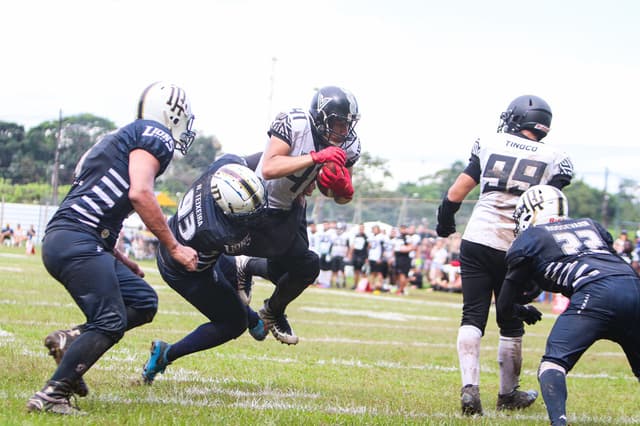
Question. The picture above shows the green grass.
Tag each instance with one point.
(361, 360)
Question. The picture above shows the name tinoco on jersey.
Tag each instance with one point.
(567, 255)
(98, 199)
(294, 128)
(506, 166)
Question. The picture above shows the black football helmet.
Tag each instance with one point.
(330, 106)
(527, 112)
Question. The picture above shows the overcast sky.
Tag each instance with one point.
(429, 76)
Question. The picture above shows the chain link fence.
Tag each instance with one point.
(394, 211)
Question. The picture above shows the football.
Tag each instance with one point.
(323, 189)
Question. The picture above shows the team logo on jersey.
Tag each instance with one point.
(155, 132)
(238, 247)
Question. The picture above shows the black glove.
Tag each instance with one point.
(530, 292)
(529, 314)
(446, 217)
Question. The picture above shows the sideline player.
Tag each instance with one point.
(504, 166)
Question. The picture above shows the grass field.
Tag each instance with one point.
(362, 360)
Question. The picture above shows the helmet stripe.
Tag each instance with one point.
(251, 190)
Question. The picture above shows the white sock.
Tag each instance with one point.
(510, 362)
(469, 354)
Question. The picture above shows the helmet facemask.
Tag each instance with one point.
(336, 129)
(184, 138)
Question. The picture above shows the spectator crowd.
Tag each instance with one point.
(382, 258)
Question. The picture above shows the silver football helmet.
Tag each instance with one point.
(538, 205)
(238, 191)
(167, 104)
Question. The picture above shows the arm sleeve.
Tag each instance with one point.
(473, 169)
(560, 181)
(517, 275)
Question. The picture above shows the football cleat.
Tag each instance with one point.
(244, 279)
(278, 325)
(58, 342)
(53, 398)
(259, 331)
(157, 361)
(470, 400)
(516, 400)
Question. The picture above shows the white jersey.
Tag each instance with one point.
(314, 241)
(509, 165)
(294, 127)
(340, 245)
(376, 247)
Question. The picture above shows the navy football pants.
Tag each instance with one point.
(608, 308)
(100, 285)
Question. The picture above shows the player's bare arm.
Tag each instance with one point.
(461, 188)
(143, 168)
(277, 163)
(133, 266)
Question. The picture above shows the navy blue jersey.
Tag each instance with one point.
(567, 255)
(99, 197)
(201, 224)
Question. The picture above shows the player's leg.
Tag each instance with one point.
(216, 298)
(477, 288)
(509, 352)
(587, 319)
(90, 278)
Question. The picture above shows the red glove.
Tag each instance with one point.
(332, 153)
(339, 182)
(326, 176)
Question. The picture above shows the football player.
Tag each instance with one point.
(214, 217)
(112, 179)
(504, 166)
(574, 257)
(300, 143)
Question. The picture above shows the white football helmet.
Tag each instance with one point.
(538, 205)
(238, 191)
(167, 104)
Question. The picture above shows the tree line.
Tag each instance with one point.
(27, 162)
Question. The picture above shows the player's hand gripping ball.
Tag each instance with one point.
(325, 178)
(334, 181)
